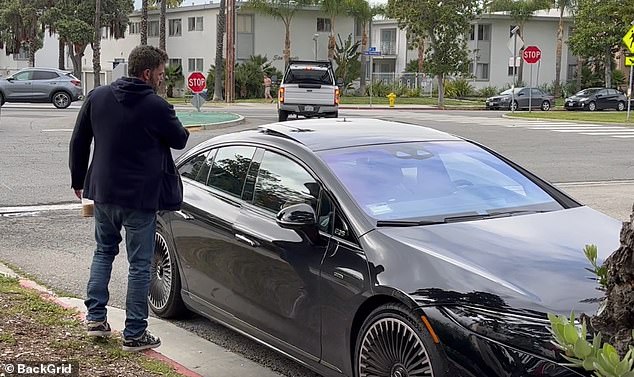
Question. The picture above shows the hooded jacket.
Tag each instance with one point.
(133, 130)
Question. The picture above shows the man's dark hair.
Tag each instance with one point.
(145, 57)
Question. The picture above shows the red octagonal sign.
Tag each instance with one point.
(532, 54)
(196, 82)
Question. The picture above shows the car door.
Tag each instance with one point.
(43, 83)
(522, 98)
(204, 228)
(537, 97)
(277, 270)
(603, 99)
(614, 98)
(19, 86)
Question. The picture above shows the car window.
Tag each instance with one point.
(308, 76)
(536, 93)
(44, 75)
(602, 92)
(192, 167)
(229, 169)
(613, 92)
(205, 168)
(282, 182)
(329, 220)
(433, 180)
(22, 76)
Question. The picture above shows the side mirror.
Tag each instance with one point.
(520, 94)
(297, 217)
(10, 78)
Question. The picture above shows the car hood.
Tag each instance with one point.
(498, 97)
(577, 98)
(529, 262)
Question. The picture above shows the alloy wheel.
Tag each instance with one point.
(620, 106)
(161, 273)
(392, 348)
(61, 100)
(592, 106)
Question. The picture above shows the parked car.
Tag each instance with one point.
(537, 98)
(51, 85)
(308, 88)
(597, 99)
(364, 247)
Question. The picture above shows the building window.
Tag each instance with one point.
(195, 64)
(472, 33)
(153, 29)
(23, 54)
(510, 71)
(175, 62)
(245, 46)
(482, 71)
(175, 28)
(244, 23)
(134, 27)
(104, 32)
(484, 32)
(195, 24)
(324, 25)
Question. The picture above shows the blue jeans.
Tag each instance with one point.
(140, 227)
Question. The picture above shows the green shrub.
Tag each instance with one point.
(488, 91)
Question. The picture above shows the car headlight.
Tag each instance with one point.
(505, 99)
(520, 331)
(584, 100)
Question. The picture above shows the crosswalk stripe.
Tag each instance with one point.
(608, 133)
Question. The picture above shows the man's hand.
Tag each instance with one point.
(78, 194)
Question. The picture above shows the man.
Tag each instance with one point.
(133, 130)
(267, 88)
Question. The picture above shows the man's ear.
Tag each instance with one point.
(147, 74)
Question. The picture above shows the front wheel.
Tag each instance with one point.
(165, 281)
(592, 106)
(514, 106)
(620, 106)
(393, 342)
(545, 106)
(61, 100)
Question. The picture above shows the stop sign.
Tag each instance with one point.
(196, 82)
(532, 54)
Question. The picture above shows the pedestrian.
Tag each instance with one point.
(128, 179)
(267, 88)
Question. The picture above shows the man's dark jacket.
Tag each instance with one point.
(133, 129)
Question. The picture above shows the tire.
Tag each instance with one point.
(620, 106)
(514, 106)
(61, 100)
(165, 282)
(333, 115)
(592, 106)
(545, 106)
(386, 328)
(282, 116)
(1, 99)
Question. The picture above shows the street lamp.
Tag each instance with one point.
(514, 32)
(315, 37)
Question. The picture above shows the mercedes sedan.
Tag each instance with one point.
(361, 247)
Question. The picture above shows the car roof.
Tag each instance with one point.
(59, 71)
(322, 134)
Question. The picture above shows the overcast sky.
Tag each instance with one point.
(137, 3)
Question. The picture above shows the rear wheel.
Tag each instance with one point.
(620, 106)
(282, 115)
(393, 343)
(61, 100)
(165, 281)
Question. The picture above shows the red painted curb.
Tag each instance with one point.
(50, 296)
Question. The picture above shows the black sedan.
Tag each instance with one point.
(362, 247)
(596, 99)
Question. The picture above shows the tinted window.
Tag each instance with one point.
(205, 168)
(282, 182)
(23, 76)
(44, 75)
(329, 220)
(536, 93)
(192, 167)
(230, 168)
(308, 76)
(433, 180)
(602, 92)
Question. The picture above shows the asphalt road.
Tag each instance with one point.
(55, 247)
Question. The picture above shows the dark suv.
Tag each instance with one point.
(47, 85)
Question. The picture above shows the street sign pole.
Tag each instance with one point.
(514, 69)
(530, 92)
(629, 93)
(371, 77)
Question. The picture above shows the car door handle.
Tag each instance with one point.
(246, 240)
(184, 215)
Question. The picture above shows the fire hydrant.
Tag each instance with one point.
(391, 98)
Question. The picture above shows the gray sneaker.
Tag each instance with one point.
(98, 328)
(141, 343)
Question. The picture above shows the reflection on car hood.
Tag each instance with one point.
(498, 97)
(576, 98)
(532, 262)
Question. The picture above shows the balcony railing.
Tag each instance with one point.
(388, 48)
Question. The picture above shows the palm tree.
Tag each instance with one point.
(220, 33)
(283, 10)
(164, 5)
(96, 45)
(333, 8)
(520, 12)
(144, 6)
(363, 13)
(561, 5)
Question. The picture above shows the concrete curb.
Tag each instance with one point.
(216, 125)
(196, 356)
(568, 120)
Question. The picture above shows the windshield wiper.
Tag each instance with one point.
(491, 215)
(407, 222)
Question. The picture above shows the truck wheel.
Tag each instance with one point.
(333, 115)
(282, 115)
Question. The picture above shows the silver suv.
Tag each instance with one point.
(41, 85)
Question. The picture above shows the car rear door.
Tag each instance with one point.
(43, 82)
(19, 86)
(603, 99)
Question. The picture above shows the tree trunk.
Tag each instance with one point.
(421, 54)
(96, 46)
(616, 321)
(608, 69)
(287, 43)
(579, 73)
(441, 91)
(61, 55)
(76, 55)
(144, 24)
(220, 31)
(31, 54)
(560, 42)
(332, 43)
(162, 25)
(364, 58)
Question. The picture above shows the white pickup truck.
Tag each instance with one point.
(308, 88)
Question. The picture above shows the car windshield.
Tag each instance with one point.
(508, 91)
(587, 92)
(308, 76)
(433, 181)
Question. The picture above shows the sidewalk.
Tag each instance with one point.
(189, 354)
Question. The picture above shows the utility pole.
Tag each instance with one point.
(514, 31)
(96, 58)
(230, 52)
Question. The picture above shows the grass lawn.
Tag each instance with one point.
(581, 116)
